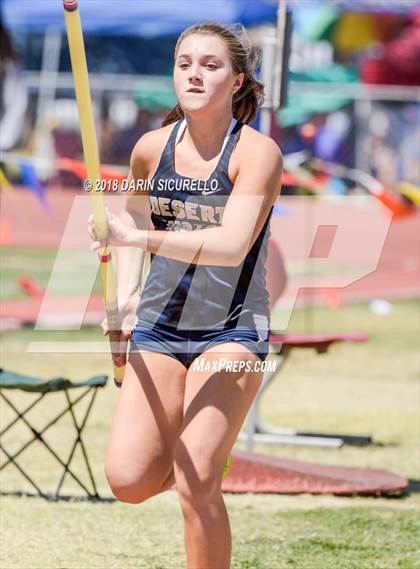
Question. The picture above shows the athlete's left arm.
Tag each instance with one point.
(256, 188)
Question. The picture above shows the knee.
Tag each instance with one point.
(126, 487)
(198, 478)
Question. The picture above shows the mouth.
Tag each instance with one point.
(195, 90)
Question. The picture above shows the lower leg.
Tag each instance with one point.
(207, 534)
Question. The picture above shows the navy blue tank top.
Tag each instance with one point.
(196, 296)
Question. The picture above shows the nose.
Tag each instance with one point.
(195, 74)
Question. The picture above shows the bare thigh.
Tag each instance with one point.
(215, 407)
(145, 426)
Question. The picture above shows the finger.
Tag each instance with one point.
(91, 228)
(96, 245)
(112, 219)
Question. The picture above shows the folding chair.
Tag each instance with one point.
(259, 431)
(10, 380)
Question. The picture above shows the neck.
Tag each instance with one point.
(206, 135)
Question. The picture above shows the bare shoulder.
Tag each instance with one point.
(257, 164)
(255, 152)
(260, 147)
(147, 151)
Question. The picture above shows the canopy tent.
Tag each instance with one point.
(155, 99)
(166, 17)
(397, 6)
(335, 73)
(304, 103)
(304, 106)
(142, 18)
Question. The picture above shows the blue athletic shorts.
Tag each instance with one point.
(186, 345)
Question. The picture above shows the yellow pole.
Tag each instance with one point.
(91, 154)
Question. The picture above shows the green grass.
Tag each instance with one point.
(17, 262)
(367, 388)
(268, 533)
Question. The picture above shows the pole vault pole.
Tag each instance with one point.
(280, 49)
(273, 51)
(91, 155)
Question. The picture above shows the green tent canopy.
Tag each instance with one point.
(155, 99)
(305, 102)
(335, 73)
(303, 107)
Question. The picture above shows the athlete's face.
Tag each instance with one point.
(203, 77)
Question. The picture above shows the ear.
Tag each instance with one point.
(239, 79)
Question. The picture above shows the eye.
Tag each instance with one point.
(211, 66)
(183, 65)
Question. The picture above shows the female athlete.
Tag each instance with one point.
(199, 200)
